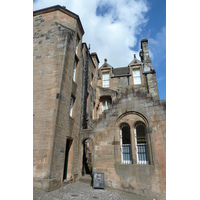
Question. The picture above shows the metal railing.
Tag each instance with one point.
(126, 154)
(142, 154)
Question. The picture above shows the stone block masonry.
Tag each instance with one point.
(54, 40)
(89, 119)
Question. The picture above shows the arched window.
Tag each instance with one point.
(141, 144)
(126, 155)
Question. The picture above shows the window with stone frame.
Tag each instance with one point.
(106, 102)
(125, 136)
(105, 105)
(141, 144)
(75, 68)
(71, 106)
(106, 80)
(137, 77)
(91, 81)
(77, 44)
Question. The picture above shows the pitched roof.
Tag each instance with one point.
(120, 71)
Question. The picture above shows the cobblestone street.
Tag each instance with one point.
(83, 191)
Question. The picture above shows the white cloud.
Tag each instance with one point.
(110, 33)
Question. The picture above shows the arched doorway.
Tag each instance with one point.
(87, 153)
(67, 159)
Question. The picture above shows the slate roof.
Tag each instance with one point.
(120, 71)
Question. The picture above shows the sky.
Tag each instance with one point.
(114, 30)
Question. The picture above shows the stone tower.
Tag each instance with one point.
(148, 70)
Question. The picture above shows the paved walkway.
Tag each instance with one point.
(83, 191)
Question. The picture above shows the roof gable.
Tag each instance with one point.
(105, 65)
(135, 61)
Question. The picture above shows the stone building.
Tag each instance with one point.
(88, 118)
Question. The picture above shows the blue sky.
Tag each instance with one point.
(114, 30)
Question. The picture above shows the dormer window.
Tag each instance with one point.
(106, 80)
(136, 77)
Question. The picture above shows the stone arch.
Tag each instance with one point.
(140, 117)
(132, 118)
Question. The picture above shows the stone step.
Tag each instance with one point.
(86, 179)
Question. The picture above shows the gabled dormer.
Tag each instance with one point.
(105, 73)
(135, 62)
(136, 70)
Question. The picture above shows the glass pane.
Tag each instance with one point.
(126, 135)
(106, 76)
(136, 72)
(142, 153)
(74, 72)
(103, 106)
(137, 80)
(105, 83)
(126, 154)
(71, 106)
(141, 134)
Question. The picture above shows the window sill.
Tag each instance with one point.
(71, 119)
(134, 165)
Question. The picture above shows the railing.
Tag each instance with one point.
(142, 154)
(126, 154)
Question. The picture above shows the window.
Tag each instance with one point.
(136, 77)
(77, 42)
(74, 72)
(126, 155)
(106, 82)
(105, 105)
(92, 76)
(106, 102)
(71, 106)
(141, 144)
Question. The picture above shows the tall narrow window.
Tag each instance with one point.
(126, 155)
(141, 144)
(74, 72)
(71, 106)
(77, 42)
(92, 76)
(136, 77)
(106, 81)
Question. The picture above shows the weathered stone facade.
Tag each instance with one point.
(90, 119)
(55, 35)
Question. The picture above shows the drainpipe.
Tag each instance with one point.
(86, 88)
(147, 83)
